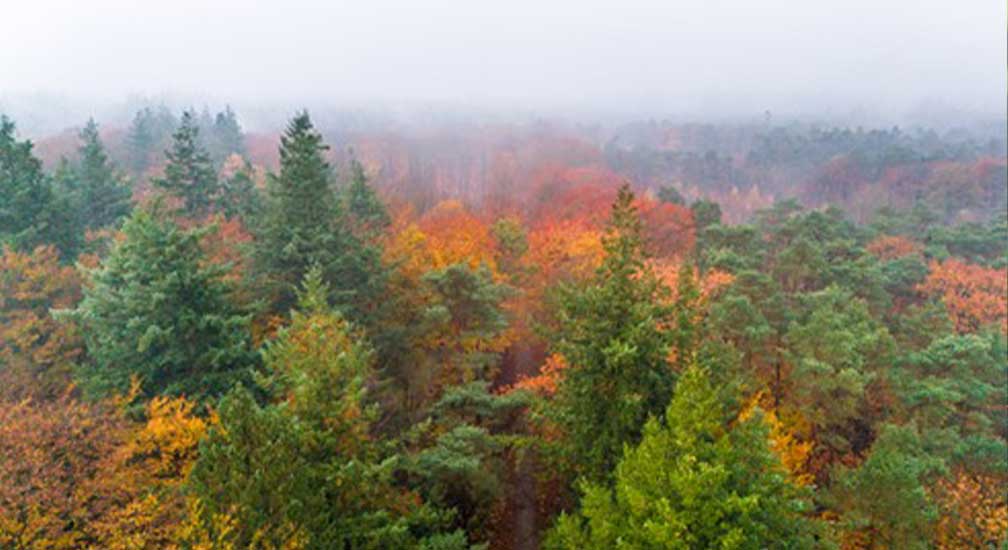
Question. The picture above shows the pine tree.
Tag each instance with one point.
(189, 174)
(104, 195)
(304, 223)
(156, 309)
(692, 484)
(614, 334)
(883, 503)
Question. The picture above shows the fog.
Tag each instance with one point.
(691, 58)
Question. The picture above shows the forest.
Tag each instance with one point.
(349, 333)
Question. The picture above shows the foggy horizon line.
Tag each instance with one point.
(44, 112)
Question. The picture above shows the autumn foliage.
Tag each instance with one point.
(973, 295)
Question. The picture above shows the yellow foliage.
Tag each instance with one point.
(793, 452)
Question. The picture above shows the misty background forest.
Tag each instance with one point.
(503, 297)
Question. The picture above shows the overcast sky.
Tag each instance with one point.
(669, 55)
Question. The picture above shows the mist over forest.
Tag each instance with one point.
(451, 275)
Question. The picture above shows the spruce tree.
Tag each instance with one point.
(157, 310)
(140, 140)
(615, 333)
(226, 136)
(366, 214)
(30, 214)
(104, 195)
(190, 175)
(304, 223)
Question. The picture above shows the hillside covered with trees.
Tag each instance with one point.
(523, 335)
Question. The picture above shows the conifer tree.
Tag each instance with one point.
(31, 213)
(104, 195)
(303, 471)
(140, 140)
(304, 223)
(366, 214)
(190, 175)
(691, 484)
(226, 136)
(155, 309)
(614, 333)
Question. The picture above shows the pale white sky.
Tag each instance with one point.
(704, 55)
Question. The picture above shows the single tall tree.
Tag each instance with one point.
(615, 334)
(304, 224)
(26, 195)
(190, 175)
(104, 194)
(157, 310)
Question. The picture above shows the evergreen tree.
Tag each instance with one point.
(31, 213)
(614, 333)
(226, 136)
(303, 471)
(104, 195)
(156, 309)
(304, 223)
(239, 196)
(189, 174)
(366, 214)
(692, 484)
(141, 140)
(883, 503)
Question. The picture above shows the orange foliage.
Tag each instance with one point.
(224, 246)
(75, 475)
(974, 295)
(36, 352)
(974, 512)
(668, 228)
(891, 247)
(711, 283)
(545, 383)
(446, 235)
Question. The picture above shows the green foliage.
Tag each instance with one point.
(304, 469)
(885, 497)
(104, 195)
(512, 244)
(146, 134)
(156, 309)
(239, 196)
(225, 136)
(955, 391)
(190, 176)
(303, 223)
(706, 214)
(691, 483)
(837, 348)
(612, 334)
(31, 213)
(463, 316)
(671, 195)
(366, 214)
(467, 447)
